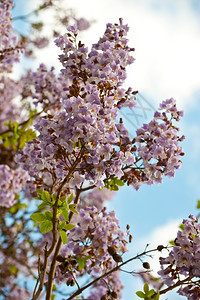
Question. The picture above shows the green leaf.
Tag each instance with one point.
(69, 200)
(81, 261)
(69, 226)
(39, 192)
(61, 225)
(59, 212)
(42, 205)
(46, 196)
(150, 293)
(38, 217)
(157, 296)
(73, 209)
(65, 214)
(182, 226)
(48, 215)
(114, 188)
(79, 145)
(63, 198)
(172, 243)
(146, 288)
(13, 270)
(6, 143)
(18, 206)
(37, 25)
(119, 182)
(46, 226)
(140, 294)
(32, 112)
(198, 204)
(63, 236)
(22, 141)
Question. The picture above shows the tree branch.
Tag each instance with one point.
(78, 292)
(51, 274)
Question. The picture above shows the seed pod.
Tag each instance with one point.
(70, 282)
(130, 238)
(114, 295)
(146, 265)
(176, 243)
(64, 267)
(60, 258)
(117, 257)
(127, 227)
(104, 297)
(111, 251)
(160, 247)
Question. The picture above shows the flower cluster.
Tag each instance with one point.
(11, 182)
(9, 47)
(107, 289)
(9, 90)
(80, 147)
(98, 239)
(17, 246)
(157, 146)
(182, 263)
(83, 136)
(103, 69)
(96, 197)
(44, 87)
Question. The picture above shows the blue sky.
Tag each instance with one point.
(166, 35)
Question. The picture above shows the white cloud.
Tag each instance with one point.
(167, 45)
(159, 236)
(165, 35)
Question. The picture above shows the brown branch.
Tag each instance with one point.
(78, 292)
(55, 207)
(178, 283)
(88, 188)
(47, 253)
(51, 274)
(41, 275)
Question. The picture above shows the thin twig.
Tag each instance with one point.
(78, 292)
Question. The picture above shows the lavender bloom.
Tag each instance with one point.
(9, 47)
(182, 262)
(11, 182)
(9, 90)
(82, 24)
(94, 233)
(85, 124)
(96, 198)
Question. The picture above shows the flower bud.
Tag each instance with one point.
(60, 258)
(114, 295)
(160, 247)
(146, 265)
(117, 257)
(111, 251)
(70, 282)
(130, 238)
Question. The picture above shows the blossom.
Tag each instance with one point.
(182, 263)
(9, 46)
(94, 233)
(84, 132)
(11, 182)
